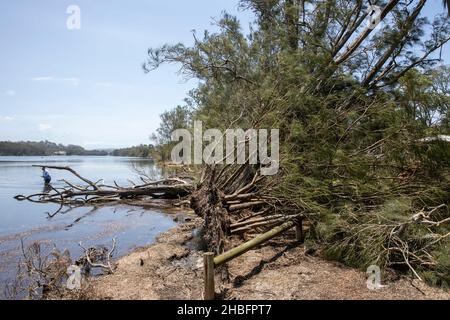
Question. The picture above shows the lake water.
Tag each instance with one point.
(131, 226)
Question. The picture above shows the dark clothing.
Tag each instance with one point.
(46, 177)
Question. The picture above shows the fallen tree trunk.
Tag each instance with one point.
(95, 192)
(228, 201)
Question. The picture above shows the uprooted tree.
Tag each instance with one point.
(353, 104)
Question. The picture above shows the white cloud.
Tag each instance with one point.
(73, 81)
(44, 127)
(42, 78)
(10, 93)
(8, 118)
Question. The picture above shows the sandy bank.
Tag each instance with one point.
(172, 269)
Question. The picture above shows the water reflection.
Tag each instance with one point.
(85, 215)
(131, 226)
(147, 170)
(47, 188)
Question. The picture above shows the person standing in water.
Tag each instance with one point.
(46, 176)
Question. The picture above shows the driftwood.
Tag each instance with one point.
(94, 255)
(230, 200)
(96, 192)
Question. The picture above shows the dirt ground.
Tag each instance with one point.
(173, 269)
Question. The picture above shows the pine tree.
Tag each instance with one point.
(353, 104)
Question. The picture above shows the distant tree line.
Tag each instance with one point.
(142, 151)
(47, 148)
(44, 148)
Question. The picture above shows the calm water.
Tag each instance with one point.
(131, 226)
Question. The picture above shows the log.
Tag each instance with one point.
(243, 248)
(261, 224)
(239, 197)
(208, 260)
(244, 223)
(172, 188)
(246, 205)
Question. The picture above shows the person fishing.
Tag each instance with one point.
(46, 176)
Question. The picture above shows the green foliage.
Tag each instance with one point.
(141, 151)
(44, 148)
(352, 157)
(178, 118)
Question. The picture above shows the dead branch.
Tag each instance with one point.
(89, 182)
(94, 254)
(71, 194)
(236, 207)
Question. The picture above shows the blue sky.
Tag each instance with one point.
(86, 86)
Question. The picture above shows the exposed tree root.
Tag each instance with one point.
(227, 200)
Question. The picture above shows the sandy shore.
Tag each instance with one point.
(173, 269)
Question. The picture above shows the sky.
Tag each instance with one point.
(86, 86)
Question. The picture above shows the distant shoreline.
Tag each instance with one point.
(72, 155)
(47, 148)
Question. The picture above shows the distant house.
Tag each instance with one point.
(60, 153)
